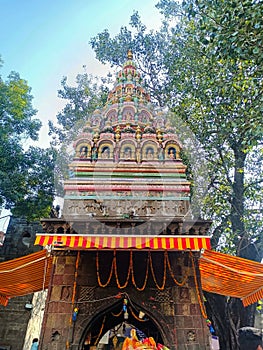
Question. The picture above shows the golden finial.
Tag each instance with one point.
(159, 135)
(117, 133)
(138, 134)
(129, 54)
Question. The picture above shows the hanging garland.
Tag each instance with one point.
(124, 310)
(135, 316)
(75, 279)
(116, 272)
(146, 274)
(74, 312)
(180, 284)
(117, 315)
(131, 273)
(100, 332)
(199, 293)
(103, 285)
(154, 277)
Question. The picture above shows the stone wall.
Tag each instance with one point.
(13, 322)
(19, 239)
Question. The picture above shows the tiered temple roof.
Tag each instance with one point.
(127, 168)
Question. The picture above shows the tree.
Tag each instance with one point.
(213, 84)
(149, 49)
(87, 94)
(220, 98)
(82, 99)
(26, 173)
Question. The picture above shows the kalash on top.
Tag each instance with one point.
(127, 164)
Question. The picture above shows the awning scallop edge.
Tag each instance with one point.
(232, 276)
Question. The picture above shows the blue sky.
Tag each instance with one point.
(45, 40)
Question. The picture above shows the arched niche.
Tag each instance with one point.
(110, 316)
(112, 116)
(105, 150)
(171, 151)
(127, 150)
(149, 151)
(96, 120)
(144, 116)
(128, 113)
(83, 149)
(159, 122)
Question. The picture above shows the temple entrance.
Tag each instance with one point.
(109, 328)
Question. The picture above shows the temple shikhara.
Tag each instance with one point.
(125, 249)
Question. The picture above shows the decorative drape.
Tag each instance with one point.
(232, 276)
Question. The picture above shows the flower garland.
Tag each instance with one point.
(75, 279)
(167, 264)
(180, 284)
(135, 316)
(103, 285)
(116, 272)
(100, 332)
(140, 289)
(199, 293)
(74, 294)
(117, 315)
(154, 277)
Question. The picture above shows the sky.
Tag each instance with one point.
(44, 40)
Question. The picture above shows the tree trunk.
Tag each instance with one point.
(237, 205)
(229, 314)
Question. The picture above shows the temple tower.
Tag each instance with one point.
(126, 247)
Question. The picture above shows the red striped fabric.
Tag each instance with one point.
(124, 242)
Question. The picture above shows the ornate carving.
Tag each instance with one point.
(66, 293)
(86, 293)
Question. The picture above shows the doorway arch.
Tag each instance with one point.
(112, 318)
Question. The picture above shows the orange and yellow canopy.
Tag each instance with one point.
(231, 276)
(25, 275)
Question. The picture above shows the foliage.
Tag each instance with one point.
(26, 181)
(221, 100)
(229, 29)
(87, 94)
(82, 99)
(148, 49)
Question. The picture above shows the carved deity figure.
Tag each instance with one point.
(94, 153)
(127, 153)
(172, 153)
(149, 153)
(105, 154)
(83, 152)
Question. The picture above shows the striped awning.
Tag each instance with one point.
(124, 242)
(25, 275)
(232, 276)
